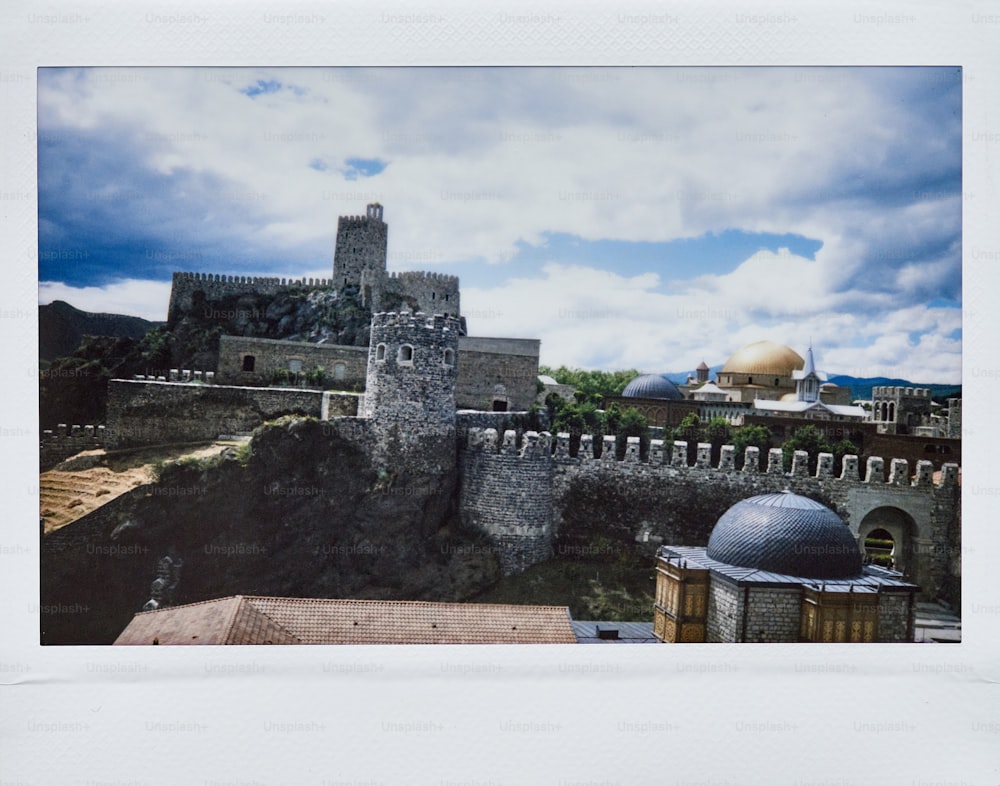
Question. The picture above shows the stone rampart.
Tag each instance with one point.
(150, 413)
(667, 500)
(506, 491)
(217, 286)
(65, 441)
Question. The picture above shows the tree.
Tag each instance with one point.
(843, 448)
(751, 436)
(809, 439)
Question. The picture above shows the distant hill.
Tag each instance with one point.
(861, 387)
(680, 377)
(61, 326)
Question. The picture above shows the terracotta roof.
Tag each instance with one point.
(264, 620)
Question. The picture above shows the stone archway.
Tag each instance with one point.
(896, 526)
(879, 547)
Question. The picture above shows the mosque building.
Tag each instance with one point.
(779, 568)
(761, 379)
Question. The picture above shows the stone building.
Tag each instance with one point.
(807, 401)
(779, 568)
(259, 361)
(900, 410)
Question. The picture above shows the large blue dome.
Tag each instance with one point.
(785, 533)
(652, 386)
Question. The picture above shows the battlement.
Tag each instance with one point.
(416, 321)
(216, 286)
(260, 283)
(66, 440)
(898, 391)
(674, 455)
(414, 276)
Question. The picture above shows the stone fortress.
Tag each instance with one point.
(439, 399)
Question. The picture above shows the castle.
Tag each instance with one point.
(437, 399)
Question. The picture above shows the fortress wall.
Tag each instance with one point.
(150, 413)
(506, 492)
(505, 369)
(67, 441)
(272, 355)
(217, 286)
(666, 501)
(431, 293)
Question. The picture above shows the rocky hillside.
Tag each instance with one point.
(299, 512)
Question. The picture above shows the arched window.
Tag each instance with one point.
(892, 411)
(380, 353)
(405, 354)
(776, 382)
(449, 357)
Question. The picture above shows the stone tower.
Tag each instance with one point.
(361, 245)
(412, 368)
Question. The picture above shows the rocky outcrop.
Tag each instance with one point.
(302, 512)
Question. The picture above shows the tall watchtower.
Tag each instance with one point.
(412, 368)
(361, 244)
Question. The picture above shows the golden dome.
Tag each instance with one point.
(764, 357)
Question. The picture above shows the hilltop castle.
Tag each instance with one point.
(441, 401)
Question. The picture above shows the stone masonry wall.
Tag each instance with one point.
(497, 368)
(773, 614)
(217, 287)
(665, 501)
(150, 413)
(361, 243)
(508, 495)
(895, 621)
(724, 612)
(411, 375)
(432, 293)
(272, 355)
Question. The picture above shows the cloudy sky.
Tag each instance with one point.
(633, 217)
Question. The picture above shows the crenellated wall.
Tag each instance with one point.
(665, 500)
(67, 441)
(506, 492)
(215, 286)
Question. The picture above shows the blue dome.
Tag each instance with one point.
(785, 533)
(652, 386)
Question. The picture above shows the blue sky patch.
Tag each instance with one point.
(363, 167)
(263, 87)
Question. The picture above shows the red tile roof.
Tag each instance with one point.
(264, 620)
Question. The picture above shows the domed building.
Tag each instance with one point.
(761, 370)
(779, 568)
(652, 386)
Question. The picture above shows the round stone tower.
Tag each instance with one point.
(412, 367)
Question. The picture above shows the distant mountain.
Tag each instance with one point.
(861, 387)
(61, 326)
(680, 377)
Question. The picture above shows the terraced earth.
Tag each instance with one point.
(88, 480)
